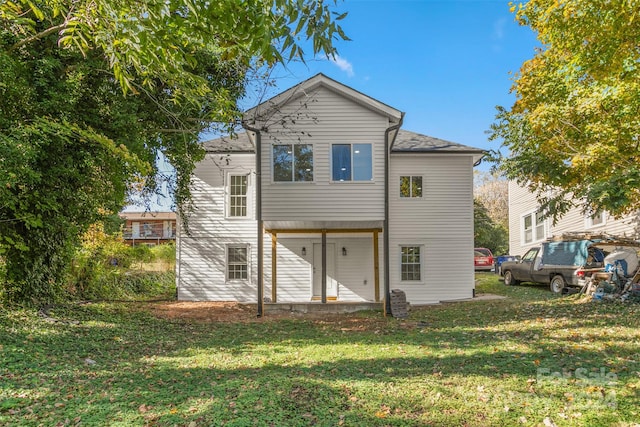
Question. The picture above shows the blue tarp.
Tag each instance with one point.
(565, 253)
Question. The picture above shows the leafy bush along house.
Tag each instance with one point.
(324, 198)
(528, 227)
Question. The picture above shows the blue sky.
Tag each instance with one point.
(446, 64)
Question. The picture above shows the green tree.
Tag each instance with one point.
(487, 233)
(572, 134)
(492, 190)
(93, 91)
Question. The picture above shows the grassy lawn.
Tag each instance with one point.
(531, 359)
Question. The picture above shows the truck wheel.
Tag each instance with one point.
(508, 278)
(557, 284)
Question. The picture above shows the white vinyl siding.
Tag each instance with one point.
(440, 223)
(325, 118)
(522, 202)
(202, 273)
(354, 272)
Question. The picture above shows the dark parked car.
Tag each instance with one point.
(497, 262)
(552, 263)
(482, 259)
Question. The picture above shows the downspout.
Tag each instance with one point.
(259, 216)
(387, 275)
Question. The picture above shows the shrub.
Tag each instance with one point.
(106, 268)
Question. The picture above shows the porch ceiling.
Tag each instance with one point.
(322, 225)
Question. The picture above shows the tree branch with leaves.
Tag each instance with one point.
(573, 133)
(93, 91)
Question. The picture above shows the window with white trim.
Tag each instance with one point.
(238, 200)
(351, 162)
(411, 186)
(410, 263)
(595, 219)
(533, 227)
(292, 162)
(237, 262)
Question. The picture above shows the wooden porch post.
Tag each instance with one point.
(324, 267)
(376, 266)
(274, 266)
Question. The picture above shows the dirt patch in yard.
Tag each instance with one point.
(246, 313)
(206, 311)
(209, 312)
(228, 312)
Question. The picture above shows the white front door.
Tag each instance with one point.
(332, 283)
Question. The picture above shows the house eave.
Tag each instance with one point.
(307, 226)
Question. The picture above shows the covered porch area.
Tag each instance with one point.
(322, 266)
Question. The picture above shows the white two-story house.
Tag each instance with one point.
(324, 198)
(528, 227)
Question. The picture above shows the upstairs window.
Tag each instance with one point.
(411, 186)
(595, 219)
(352, 162)
(293, 162)
(533, 227)
(238, 185)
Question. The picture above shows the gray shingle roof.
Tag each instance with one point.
(411, 142)
(406, 142)
(239, 143)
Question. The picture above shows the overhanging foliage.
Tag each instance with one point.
(93, 91)
(574, 126)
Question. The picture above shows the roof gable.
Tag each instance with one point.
(266, 109)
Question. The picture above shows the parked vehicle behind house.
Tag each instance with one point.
(482, 259)
(497, 262)
(553, 263)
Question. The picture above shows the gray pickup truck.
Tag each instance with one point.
(552, 263)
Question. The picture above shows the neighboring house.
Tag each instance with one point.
(527, 227)
(324, 198)
(149, 228)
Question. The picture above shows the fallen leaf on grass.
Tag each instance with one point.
(144, 408)
(383, 412)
